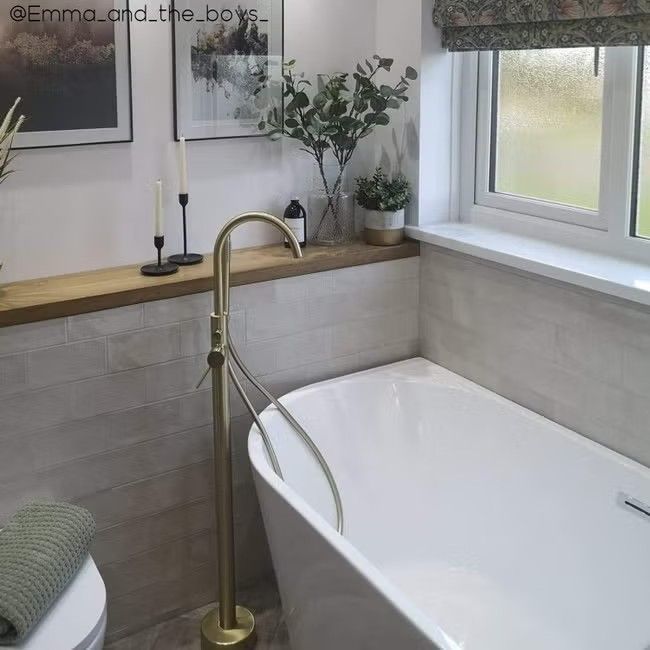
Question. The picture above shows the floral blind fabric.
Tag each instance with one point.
(471, 25)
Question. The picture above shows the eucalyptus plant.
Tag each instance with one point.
(333, 119)
(379, 192)
(8, 130)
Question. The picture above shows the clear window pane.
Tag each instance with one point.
(643, 194)
(546, 134)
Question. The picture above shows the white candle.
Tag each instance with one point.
(158, 210)
(183, 166)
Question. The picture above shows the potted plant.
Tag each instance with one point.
(384, 200)
(330, 122)
(8, 130)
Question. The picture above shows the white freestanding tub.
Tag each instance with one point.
(471, 523)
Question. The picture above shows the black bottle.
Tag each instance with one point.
(295, 216)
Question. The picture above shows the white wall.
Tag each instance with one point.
(70, 210)
(422, 136)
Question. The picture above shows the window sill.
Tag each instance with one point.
(609, 275)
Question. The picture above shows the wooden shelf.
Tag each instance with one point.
(80, 293)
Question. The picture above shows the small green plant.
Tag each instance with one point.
(333, 119)
(382, 193)
(8, 130)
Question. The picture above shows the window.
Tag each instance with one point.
(559, 135)
(547, 123)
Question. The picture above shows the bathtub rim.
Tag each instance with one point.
(423, 622)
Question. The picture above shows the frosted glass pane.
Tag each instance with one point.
(548, 126)
(643, 200)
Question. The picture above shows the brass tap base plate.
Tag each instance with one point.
(242, 637)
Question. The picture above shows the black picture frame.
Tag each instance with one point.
(181, 129)
(54, 139)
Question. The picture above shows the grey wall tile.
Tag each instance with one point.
(20, 338)
(154, 603)
(273, 320)
(13, 373)
(590, 352)
(103, 323)
(109, 393)
(288, 290)
(66, 363)
(388, 298)
(251, 545)
(166, 562)
(175, 310)
(495, 327)
(391, 353)
(144, 348)
(149, 496)
(373, 333)
(125, 541)
(101, 472)
(636, 368)
(299, 349)
(195, 337)
(277, 320)
(25, 454)
(174, 378)
(35, 410)
(353, 278)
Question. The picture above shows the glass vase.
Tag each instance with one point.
(331, 209)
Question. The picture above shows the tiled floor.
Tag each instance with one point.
(182, 632)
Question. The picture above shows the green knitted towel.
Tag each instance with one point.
(41, 549)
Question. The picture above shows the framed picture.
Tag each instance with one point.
(74, 76)
(218, 61)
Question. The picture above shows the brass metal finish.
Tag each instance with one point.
(241, 637)
(384, 237)
(228, 626)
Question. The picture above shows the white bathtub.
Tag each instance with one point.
(470, 522)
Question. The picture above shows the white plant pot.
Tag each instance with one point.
(384, 228)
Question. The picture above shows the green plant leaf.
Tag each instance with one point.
(319, 101)
(378, 104)
(301, 100)
(411, 73)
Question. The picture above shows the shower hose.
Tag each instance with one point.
(311, 445)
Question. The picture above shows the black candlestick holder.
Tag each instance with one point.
(166, 268)
(186, 259)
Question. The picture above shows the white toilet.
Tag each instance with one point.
(77, 621)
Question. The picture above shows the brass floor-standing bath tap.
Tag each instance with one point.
(229, 625)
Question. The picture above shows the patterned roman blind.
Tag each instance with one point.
(472, 25)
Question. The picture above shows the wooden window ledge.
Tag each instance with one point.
(80, 293)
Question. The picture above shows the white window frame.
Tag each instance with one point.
(609, 230)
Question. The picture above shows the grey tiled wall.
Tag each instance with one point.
(101, 409)
(579, 358)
